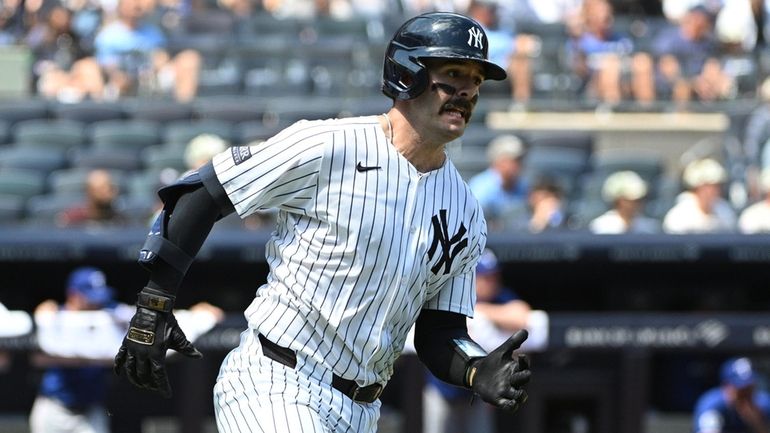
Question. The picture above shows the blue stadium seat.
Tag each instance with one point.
(89, 111)
(43, 160)
(182, 131)
(231, 109)
(108, 158)
(157, 110)
(22, 183)
(128, 135)
(72, 181)
(13, 111)
(164, 156)
(50, 134)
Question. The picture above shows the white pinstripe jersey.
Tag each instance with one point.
(357, 252)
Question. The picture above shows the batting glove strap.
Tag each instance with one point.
(155, 300)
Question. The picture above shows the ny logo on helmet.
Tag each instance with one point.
(475, 38)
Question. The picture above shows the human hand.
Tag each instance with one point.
(499, 377)
(152, 331)
(47, 306)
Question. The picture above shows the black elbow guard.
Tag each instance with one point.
(158, 245)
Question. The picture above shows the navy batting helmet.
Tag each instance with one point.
(438, 35)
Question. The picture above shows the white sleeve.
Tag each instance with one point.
(281, 172)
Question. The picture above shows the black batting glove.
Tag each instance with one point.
(152, 331)
(499, 377)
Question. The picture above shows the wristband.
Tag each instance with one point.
(155, 300)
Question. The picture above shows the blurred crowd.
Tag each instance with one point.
(610, 55)
(671, 50)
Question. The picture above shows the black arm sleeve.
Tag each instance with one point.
(194, 215)
(435, 336)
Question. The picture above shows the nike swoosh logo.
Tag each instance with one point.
(362, 168)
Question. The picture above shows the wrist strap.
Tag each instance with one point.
(155, 300)
(470, 373)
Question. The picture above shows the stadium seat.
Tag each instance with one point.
(129, 135)
(126, 160)
(265, 27)
(270, 68)
(209, 21)
(72, 181)
(89, 111)
(647, 163)
(229, 109)
(564, 165)
(157, 110)
(477, 136)
(50, 134)
(582, 141)
(22, 183)
(145, 183)
(247, 132)
(164, 156)
(43, 160)
(42, 210)
(12, 208)
(13, 111)
(219, 73)
(182, 131)
(5, 132)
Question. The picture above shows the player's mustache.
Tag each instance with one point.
(457, 102)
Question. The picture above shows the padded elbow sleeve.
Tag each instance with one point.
(189, 211)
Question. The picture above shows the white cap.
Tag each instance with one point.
(624, 184)
(508, 146)
(704, 172)
(202, 148)
(764, 180)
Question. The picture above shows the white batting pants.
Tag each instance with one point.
(256, 394)
(51, 416)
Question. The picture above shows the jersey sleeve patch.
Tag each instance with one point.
(240, 154)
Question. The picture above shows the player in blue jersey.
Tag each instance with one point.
(736, 406)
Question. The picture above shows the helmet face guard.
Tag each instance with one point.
(436, 35)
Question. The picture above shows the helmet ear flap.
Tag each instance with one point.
(406, 77)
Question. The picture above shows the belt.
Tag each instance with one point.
(287, 357)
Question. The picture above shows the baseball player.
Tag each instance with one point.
(375, 231)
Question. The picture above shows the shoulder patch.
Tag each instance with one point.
(240, 153)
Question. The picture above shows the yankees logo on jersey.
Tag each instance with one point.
(396, 240)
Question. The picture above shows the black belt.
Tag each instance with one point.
(287, 357)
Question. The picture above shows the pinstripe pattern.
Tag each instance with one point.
(256, 394)
(353, 255)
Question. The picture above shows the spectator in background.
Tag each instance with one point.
(701, 209)
(62, 69)
(546, 202)
(756, 218)
(603, 58)
(202, 148)
(512, 51)
(625, 191)
(689, 60)
(131, 51)
(500, 189)
(72, 392)
(736, 406)
(498, 312)
(77, 353)
(99, 208)
(756, 139)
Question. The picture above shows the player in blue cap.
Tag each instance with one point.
(72, 394)
(737, 405)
